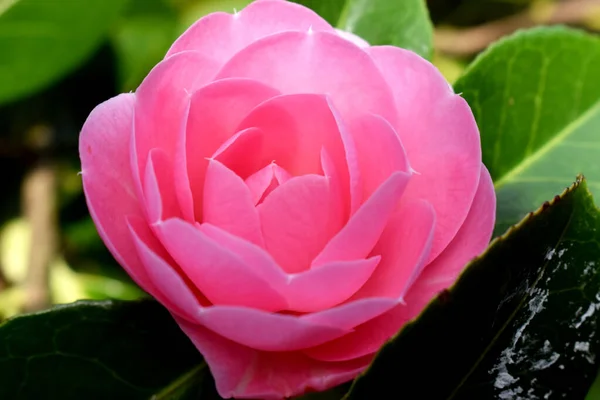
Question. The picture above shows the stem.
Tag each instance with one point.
(39, 208)
(188, 379)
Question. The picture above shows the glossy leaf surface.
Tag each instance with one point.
(536, 99)
(100, 350)
(403, 23)
(521, 321)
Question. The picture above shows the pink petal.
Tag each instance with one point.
(272, 331)
(215, 112)
(161, 107)
(329, 285)
(346, 315)
(281, 332)
(263, 182)
(404, 246)
(267, 331)
(381, 152)
(296, 130)
(280, 174)
(472, 239)
(228, 204)
(351, 37)
(355, 178)
(440, 136)
(337, 210)
(352, 314)
(221, 275)
(242, 372)
(319, 62)
(221, 35)
(255, 328)
(365, 339)
(237, 152)
(159, 190)
(169, 287)
(361, 233)
(107, 180)
(255, 257)
(295, 221)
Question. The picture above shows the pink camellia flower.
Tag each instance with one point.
(292, 195)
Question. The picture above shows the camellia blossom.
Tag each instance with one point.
(292, 195)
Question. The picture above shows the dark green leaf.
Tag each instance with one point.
(100, 350)
(403, 23)
(521, 321)
(142, 39)
(594, 393)
(41, 40)
(536, 98)
(191, 11)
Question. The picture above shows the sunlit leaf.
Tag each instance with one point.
(41, 40)
(403, 23)
(536, 98)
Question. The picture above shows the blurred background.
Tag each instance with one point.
(60, 58)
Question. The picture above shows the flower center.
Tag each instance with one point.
(264, 181)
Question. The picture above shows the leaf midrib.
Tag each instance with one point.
(549, 145)
(343, 17)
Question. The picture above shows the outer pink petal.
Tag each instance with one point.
(329, 285)
(351, 37)
(215, 112)
(404, 247)
(159, 191)
(319, 62)
(295, 221)
(281, 332)
(168, 285)
(221, 35)
(350, 315)
(291, 285)
(242, 372)
(228, 204)
(297, 128)
(380, 151)
(250, 327)
(161, 107)
(107, 179)
(222, 276)
(366, 339)
(361, 233)
(440, 136)
(472, 238)
(267, 331)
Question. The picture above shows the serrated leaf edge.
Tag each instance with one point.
(579, 181)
